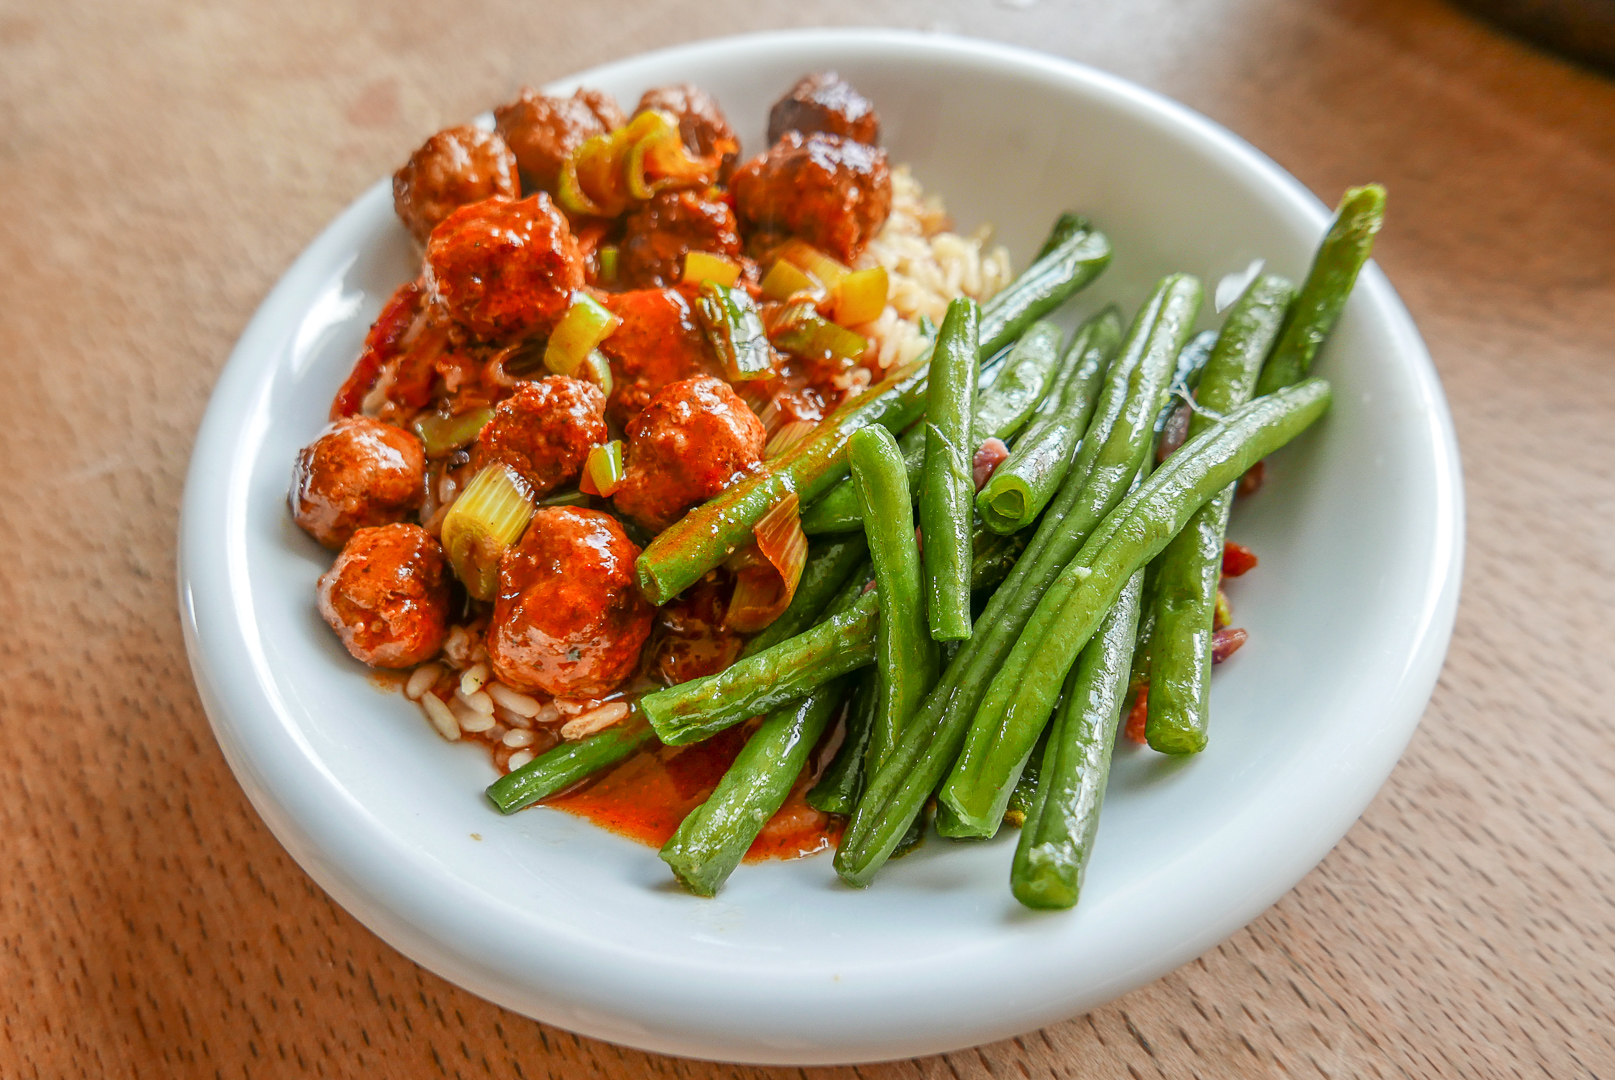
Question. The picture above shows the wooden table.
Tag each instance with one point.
(161, 163)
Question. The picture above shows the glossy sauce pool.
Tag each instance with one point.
(646, 797)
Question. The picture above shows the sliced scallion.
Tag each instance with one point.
(487, 518)
(736, 332)
(584, 326)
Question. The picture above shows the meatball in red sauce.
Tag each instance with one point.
(694, 439)
(544, 431)
(661, 231)
(454, 168)
(660, 341)
(832, 192)
(387, 596)
(359, 472)
(543, 131)
(824, 101)
(504, 269)
(569, 619)
(702, 125)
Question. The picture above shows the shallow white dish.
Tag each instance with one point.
(1359, 531)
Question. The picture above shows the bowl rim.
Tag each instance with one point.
(304, 805)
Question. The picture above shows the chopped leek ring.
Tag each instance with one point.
(597, 369)
(861, 296)
(785, 280)
(489, 516)
(802, 331)
(442, 435)
(603, 471)
(608, 265)
(701, 267)
(584, 326)
(736, 331)
(809, 258)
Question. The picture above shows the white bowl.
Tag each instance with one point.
(1359, 531)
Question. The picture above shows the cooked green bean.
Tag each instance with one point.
(715, 836)
(1025, 380)
(1345, 248)
(1023, 485)
(906, 658)
(1051, 856)
(1184, 587)
(698, 709)
(1018, 702)
(830, 564)
(946, 487)
(1064, 226)
(1156, 339)
(562, 766)
(838, 789)
(710, 533)
(894, 796)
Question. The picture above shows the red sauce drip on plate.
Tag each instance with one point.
(647, 796)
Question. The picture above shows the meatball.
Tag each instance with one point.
(504, 269)
(543, 131)
(568, 619)
(359, 472)
(694, 439)
(544, 431)
(657, 235)
(824, 102)
(702, 125)
(387, 596)
(454, 168)
(660, 341)
(832, 192)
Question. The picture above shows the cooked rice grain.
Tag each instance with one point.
(928, 267)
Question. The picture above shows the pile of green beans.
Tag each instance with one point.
(710, 533)
(986, 659)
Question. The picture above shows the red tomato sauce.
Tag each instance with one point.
(646, 797)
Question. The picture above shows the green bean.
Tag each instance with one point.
(1184, 588)
(946, 487)
(712, 532)
(715, 836)
(1115, 467)
(1192, 360)
(1026, 379)
(993, 555)
(1065, 225)
(894, 796)
(1018, 702)
(838, 789)
(906, 657)
(1025, 793)
(1025, 482)
(698, 709)
(830, 564)
(1051, 856)
(561, 767)
(1345, 248)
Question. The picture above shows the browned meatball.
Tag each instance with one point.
(504, 269)
(569, 619)
(387, 596)
(657, 235)
(660, 341)
(702, 125)
(543, 131)
(454, 168)
(544, 431)
(695, 438)
(824, 102)
(832, 192)
(359, 472)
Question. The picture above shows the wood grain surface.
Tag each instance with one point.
(162, 162)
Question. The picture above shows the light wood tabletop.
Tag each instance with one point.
(162, 163)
